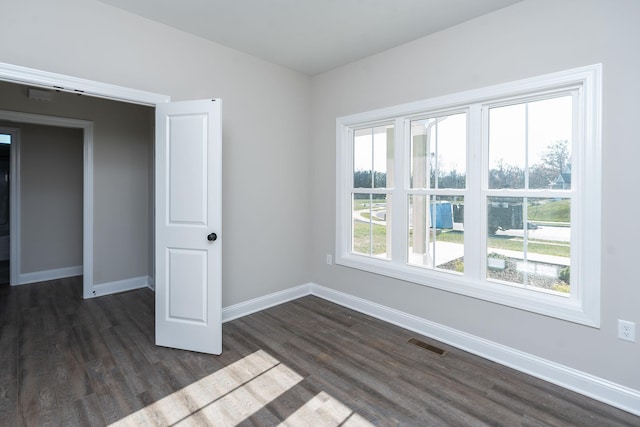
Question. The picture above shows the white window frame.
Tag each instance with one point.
(583, 304)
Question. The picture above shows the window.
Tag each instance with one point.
(437, 180)
(372, 158)
(492, 193)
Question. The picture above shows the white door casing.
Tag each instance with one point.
(188, 225)
(195, 338)
(60, 82)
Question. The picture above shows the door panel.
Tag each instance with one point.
(187, 277)
(187, 163)
(188, 209)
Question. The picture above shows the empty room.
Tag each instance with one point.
(412, 212)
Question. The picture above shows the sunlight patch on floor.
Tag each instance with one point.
(324, 410)
(231, 395)
(223, 398)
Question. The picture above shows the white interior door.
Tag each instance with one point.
(188, 220)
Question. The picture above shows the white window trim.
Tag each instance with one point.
(584, 304)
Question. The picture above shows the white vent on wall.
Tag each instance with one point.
(39, 95)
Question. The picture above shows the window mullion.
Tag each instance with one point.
(525, 240)
(344, 189)
(580, 255)
(525, 211)
(399, 220)
(526, 146)
(474, 231)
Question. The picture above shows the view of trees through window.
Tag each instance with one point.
(528, 203)
(529, 150)
(546, 174)
(373, 158)
(493, 193)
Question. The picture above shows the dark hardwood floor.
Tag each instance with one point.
(65, 361)
(4, 272)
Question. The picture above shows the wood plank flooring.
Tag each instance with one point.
(69, 362)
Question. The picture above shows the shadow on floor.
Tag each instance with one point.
(4, 272)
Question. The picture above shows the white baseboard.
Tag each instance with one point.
(120, 286)
(261, 303)
(151, 283)
(589, 385)
(41, 276)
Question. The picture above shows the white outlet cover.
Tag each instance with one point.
(626, 330)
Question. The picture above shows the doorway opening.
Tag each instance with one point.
(67, 84)
(197, 168)
(5, 197)
(86, 267)
(41, 193)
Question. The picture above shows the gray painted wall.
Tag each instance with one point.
(51, 198)
(123, 142)
(265, 133)
(527, 39)
(279, 145)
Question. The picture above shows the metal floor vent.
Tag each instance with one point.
(432, 348)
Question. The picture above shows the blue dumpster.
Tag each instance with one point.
(442, 212)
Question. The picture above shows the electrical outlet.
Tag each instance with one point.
(626, 330)
(329, 259)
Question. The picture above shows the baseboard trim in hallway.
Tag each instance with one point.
(121, 286)
(54, 274)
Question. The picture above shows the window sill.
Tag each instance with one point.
(547, 304)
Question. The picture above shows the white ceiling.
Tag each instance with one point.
(311, 36)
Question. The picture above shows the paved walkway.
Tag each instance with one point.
(447, 251)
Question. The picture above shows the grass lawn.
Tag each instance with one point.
(362, 234)
(511, 243)
(535, 246)
(552, 211)
(555, 211)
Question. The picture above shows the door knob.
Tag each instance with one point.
(212, 237)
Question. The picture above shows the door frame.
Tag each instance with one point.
(14, 219)
(59, 82)
(87, 196)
